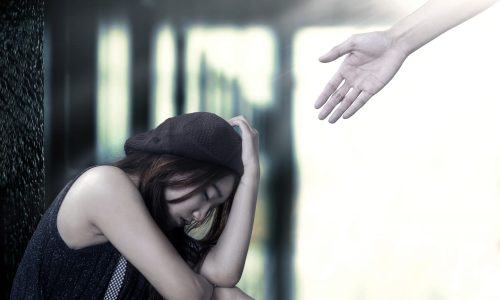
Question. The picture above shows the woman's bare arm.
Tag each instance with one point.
(229, 294)
(110, 201)
(224, 263)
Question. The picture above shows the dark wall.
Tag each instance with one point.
(21, 130)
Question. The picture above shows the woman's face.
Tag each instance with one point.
(196, 207)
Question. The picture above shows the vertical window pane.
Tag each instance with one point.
(230, 70)
(113, 90)
(163, 75)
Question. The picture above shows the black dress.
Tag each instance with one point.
(49, 269)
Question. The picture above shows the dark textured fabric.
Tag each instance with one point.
(51, 270)
(201, 136)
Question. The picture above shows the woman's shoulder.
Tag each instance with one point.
(102, 176)
(93, 191)
(101, 185)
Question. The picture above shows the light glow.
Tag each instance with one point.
(402, 201)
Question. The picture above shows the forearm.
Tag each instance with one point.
(432, 19)
(229, 294)
(225, 261)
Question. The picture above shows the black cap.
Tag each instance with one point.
(201, 136)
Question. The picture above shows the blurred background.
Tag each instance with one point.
(399, 202)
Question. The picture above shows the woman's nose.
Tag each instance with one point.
(200, 213)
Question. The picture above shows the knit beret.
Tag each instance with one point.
(200, 136)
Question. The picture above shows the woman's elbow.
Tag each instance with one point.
(226, 276)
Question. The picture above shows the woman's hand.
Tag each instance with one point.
(225, 261)
(229, 294)
(250, 147)
(373, 59)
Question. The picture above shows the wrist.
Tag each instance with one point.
(250, 177)
(398, 41)
(252, 171)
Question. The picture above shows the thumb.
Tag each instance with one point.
(337, 51)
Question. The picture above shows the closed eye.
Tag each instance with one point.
(217, 190)
(205, 195)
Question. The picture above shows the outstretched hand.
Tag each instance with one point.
(372, 60)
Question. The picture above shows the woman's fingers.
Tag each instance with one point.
(243, 123)
(238, 119)
(250, 145)
(248, 133)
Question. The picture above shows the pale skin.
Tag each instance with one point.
(104, 205)
(374, 58)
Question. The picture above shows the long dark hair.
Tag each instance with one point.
(155, 172)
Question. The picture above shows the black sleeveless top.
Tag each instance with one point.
(49, 269)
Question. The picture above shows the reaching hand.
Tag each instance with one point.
(373, 59)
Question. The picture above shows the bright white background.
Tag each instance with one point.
(402, 201)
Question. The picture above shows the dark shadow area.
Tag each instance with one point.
(21, 131)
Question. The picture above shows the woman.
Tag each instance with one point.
(123, 231)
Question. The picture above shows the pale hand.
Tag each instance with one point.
(373, 59)
(250, 146)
